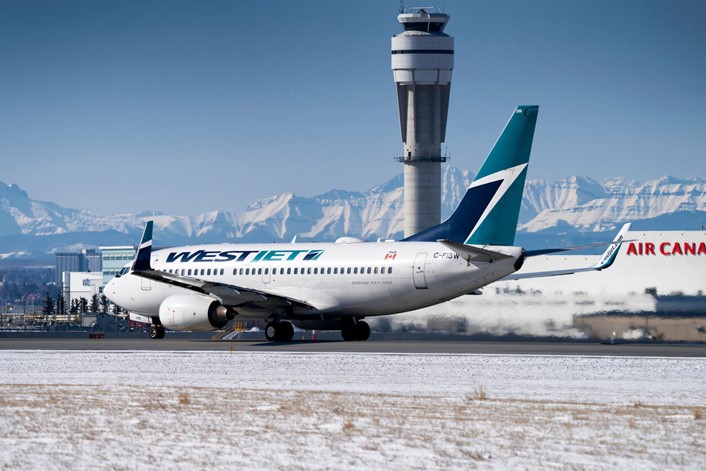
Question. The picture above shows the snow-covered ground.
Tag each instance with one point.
(191, 410)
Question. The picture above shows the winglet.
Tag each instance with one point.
(144, 251)
(611, 252)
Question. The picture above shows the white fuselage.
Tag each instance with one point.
(357, 279)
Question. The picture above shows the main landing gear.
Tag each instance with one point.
(156, 331)
(279, 331)
(359, 330)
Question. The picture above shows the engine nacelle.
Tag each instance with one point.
(193, 312)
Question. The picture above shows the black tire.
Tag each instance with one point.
(285, 331)
(156, 332)
(271, 331)
(362, 331)
(348, 332)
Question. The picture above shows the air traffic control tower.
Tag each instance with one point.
(422, 61)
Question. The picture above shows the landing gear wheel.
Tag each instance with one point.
(271, 331)
(279, 331)
(355, 330)
(362, 331)
(286, 331)
(348, 331)
(156, 332)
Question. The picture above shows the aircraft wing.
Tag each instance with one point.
(228, 295)
(603, 263)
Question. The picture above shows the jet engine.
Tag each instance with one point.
(193, 312)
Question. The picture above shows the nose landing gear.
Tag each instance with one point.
(156, 331)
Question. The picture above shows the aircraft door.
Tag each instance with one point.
(146, 284)
(418, 274)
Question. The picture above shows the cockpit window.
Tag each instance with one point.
(123, 271)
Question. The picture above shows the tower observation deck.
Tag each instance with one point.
(422, 61)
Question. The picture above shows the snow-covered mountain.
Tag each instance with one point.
(590, 206)
(573, 209)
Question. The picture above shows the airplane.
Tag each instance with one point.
(334, 286)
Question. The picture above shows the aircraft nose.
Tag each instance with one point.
(111, 291)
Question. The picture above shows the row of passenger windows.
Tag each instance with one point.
(287, 271)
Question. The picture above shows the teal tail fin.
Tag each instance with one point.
(488, 212)
(506, 169)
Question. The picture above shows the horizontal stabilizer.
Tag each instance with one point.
(603, 263)
(472, 253)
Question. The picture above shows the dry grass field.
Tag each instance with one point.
(126, 427)
(427, 415)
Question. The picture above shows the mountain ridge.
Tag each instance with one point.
(588, 206)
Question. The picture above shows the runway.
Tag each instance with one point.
(391, 347)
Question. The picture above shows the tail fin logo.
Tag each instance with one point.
(505, 178)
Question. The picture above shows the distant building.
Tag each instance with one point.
(68, 262)
(93, 262)
(114, 259)
(88, 260)
(77, 285)
(656, 288)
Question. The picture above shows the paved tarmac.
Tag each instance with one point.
(371, 346)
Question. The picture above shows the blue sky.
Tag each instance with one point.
(188, 106)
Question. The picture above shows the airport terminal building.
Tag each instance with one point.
(655, 289)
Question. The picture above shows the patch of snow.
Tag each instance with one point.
(221, 410)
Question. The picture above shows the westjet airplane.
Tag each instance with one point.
(333, 286)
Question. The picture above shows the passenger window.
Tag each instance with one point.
(222, 271)
(295, 271)
(349, 270)
(370, 270)
(335, 270)
(189, 272)
(208, 272)
(259, 271)
(376, 270)
(289, 271)
(355, 271)
(389, 271)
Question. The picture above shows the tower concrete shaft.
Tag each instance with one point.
(422, 61)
